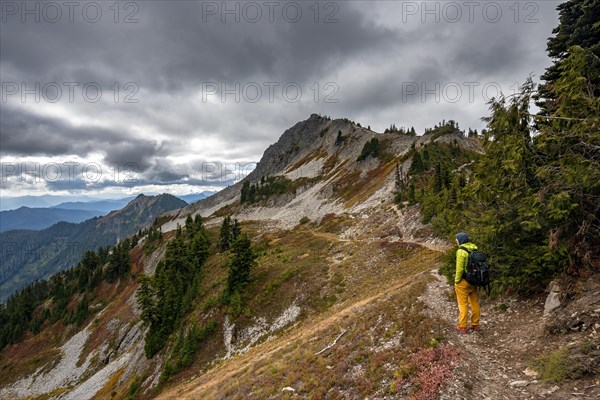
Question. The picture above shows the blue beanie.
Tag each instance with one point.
(462, 238)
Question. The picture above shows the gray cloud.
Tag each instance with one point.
(24, 133)
(370, 54)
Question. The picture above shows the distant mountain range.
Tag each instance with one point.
(79, 202)
(192, 198)
(41, 218)
(26, 217)
(105, 206)
(27, 255)
(12, 203)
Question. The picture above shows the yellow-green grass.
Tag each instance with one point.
(376, 281)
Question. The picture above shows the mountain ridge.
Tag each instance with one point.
(31, 255)
(311, 151)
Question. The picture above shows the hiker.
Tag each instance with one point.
(466, 294)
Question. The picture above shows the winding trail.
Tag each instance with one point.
(335, 238)
(494, 364)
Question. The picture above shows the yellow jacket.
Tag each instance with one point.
(461, 260)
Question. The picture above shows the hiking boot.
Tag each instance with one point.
(461, 330)
(475, 328)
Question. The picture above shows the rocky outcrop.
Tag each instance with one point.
(555, 295)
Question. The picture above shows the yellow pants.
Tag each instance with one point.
(466, 294)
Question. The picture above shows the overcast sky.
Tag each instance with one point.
(113, 99)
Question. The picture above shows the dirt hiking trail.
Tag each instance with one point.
(494, 363)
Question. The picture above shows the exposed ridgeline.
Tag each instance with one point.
(30, 255)
(317, 167)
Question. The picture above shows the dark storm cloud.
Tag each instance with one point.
(138, 154)
(171, 47)
(372, 54)
(25, 133)
(492, 56)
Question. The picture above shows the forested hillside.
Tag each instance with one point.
(533, 199)
(30, 255)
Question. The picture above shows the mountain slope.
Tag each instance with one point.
(41, 218)
(350, 265)
(30, 255)
(317, 161)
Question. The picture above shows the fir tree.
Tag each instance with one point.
(438, 178)
(567, 202)
(225, 236)
(411, 194)
(236, 230)
(416, 165)
(240, 264)
(245, 193)
(339, 139)
(503, 182)
(578, 26)
(189, 225)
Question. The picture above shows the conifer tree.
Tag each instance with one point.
(416, 165)
(225, 236)
(411, 194)
(199, 249)
(198, 223)
(578, 26)
(146, 299)
(438, 179)
(245, 193)
(503, 183)
(569, 145)
(236, 230)
(189, 225)
(339, 139)
(240, 264)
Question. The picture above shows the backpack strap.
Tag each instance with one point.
(468, 254)
(488, 289)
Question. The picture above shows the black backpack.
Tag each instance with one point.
(477, 272)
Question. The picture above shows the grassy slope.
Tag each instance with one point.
(368, 288)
